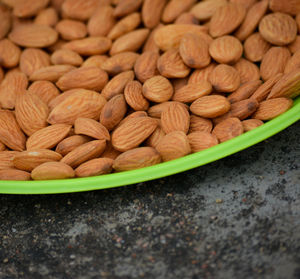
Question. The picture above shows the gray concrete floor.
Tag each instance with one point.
(235, 218)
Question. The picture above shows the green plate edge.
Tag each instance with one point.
(161, 170)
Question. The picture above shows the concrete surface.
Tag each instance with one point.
(235, 218)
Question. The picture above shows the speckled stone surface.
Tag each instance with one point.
(235, 218)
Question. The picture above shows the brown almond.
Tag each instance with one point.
(83, 103)
(200, 124)
(52, 170)
(51, 73)
(243, 109)
(70, 29)
(70, 143)
(244, 91)
(117, 84)
(255, 47)
(187, 18)
(278, 28)
(132, 133)
(67, 57)
(46, 90)
(94, 167)
(137, 158)
(13, 174)
(150, 44)
(175, 8)
(158, 89)
(210, 106)
(201, 140)
(9, 54)
(155, 137)
(48, 137)
(145, 65)
(60, 98)
(251, 124)
(272, 108)
(178, 83)
(274, 62)
(228, 129)
(48, 17)
(10, 132)
(5, 23)
(132, 115)
(94, 61)
(247, 70)
(6, 159)
(2, 146)
(113, 112)
(295, 45)
(133, 94)
(29, 8)
(173, 146)
(290, 7)
(79, 9)
(91, 128)
(194, 51)
(225, 78)
(204, 10)
(293, 63)
(226, 19)
(126, 7)
(202, 74)
(156, 110)
(246, 3)
(152, 11)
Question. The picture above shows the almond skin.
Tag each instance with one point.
(145, 66)
(71, 29)
(204, 10)
(84, 152)
(94, 61)
(52, 170)
(228, 129)
(60, 98)
(293, 63)
(6, 159)
(270, 109)
(247, 70)
(244, 91)
(201, 140)
(134, 96)
(202, 74)
(175, 8)
(66, 56)
(29, 8)
(150, 44)
(5, 24)
(295, 45)
(51, 73)
(251, 124)
(48, 17)
(175, 118)
(255, 47)
(200, 124)
(46, 90)
(156, 137)
(126, 7)
(187, 18)
(48, 137)
(70, 143)
(243, 109)
(210, 106)
(9, 54)
(173, 146)
(94, 167)
(28, 160)
(290, 7)
(13, 174)
(151, 12)
(91, 128)
(79, 9)
(137, 158)
(132, 133)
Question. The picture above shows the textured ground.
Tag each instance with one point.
(235, 218)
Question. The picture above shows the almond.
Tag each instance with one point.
(190, 92)
(228, 129)
(46, 90)
(225, 78)
(28, 160)
(210, 106)
(126, 7)
(173, 146)
(251, 124)
(9, 54)
(243, 109)
(274, 62)
(246, 3)
(2, 146)
(13, 174)
(10, 132)
(91, 128)
(156, 110)
(247, 70)
(132, 115)
(204, 10)
(202, 74)
(171, 65)
(278, 28)
(6, 159)
(187, 18)
(255, 47)
(137, 158)
(51, 73)
(84, 152)
(110, 152)
(131, 41)
(33, 59)
(113, 112)
(33, 35)
(71, 29)
(52, 170)
(94, 61)
(132, 133)
(178, 83)
(200, 124)
(169, 36)
(295, 45)
(94, 167)
(270, 109)
(125, 25)
(70, 143)
(117, 84)
(150, 44)
(244, 91)
(145, 65)
(201, 140)
(91, 78)
(291, 7)
(101, 22)
(158, 89)
(293, 63)
(134, 96)
(48, 137)
(156, 137)
(79, 9)
(175, 8)
(252, 19)
(5, 23)
(66, 56)
(60, 98)
(48, 17)
(152, 11)
(83, 103)
(226, 19)
(29, 8)
(120, 62)
(194, 51)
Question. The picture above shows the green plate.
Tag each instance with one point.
(164, 169)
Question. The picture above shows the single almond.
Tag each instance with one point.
(83, 103)
(94, 61)
(6, 159)
(251, 124)
(91, 128)
(155, 137)
(52, 170)
(84, 152)
(126, 7)
(137, 158)
(10, 132)
(278, 28)
(247, 70)
(202, 74)
(201, 140)
(133, 94)
(274, 62)
(173, 146)
(113, 112)
(187, 18)
(48, 137)
(244, 91)
(293, 63)
(200, 124)
(132, 133)
(46, 90)
(156, 110)
(145, 65)
(13, 174)
(67, 57)
(70, 29)
(48, 17)
(79, 9)
(70, 143)
(290, 7)
(204, 10)
(152, 11)
(29, 8)
(272, 108)
(94, 167)
(295, 45)
(255, 47)
(5, 24)
(51, 73)
(158, 89)
(243, 109)
(175, 8)
(60, 98)
(9, 54)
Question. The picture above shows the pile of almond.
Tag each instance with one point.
(90, 87)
